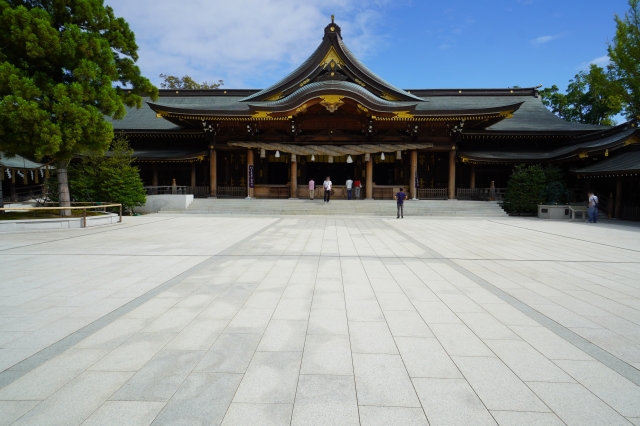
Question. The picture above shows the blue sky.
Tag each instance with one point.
(412, 44)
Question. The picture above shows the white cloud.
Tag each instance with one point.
(246, 43)
(601, 61)
(545, 39)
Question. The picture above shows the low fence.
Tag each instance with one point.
(481, 194)
(631, 212)
(79, 206)
(25, 194)
(232, 191)
(432, 193)
(196, 191)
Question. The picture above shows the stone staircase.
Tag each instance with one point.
(272, 207)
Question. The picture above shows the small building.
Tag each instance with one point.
(332, 116)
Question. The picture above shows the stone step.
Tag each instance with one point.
(431, 208)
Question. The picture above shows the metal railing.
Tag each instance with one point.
(481, 194)
(84, 209)
(432, 193)
(232, 191)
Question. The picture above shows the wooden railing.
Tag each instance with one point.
(232, 191)
(432, 193)
(383, 193)
(481, 194)
(197, 191)
(166, 190)
(631, 212)
(279, 191)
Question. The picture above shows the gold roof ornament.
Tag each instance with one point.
(274, 97)
(331, 102)
(331, 56)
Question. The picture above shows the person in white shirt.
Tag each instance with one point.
(593, 208)
(349, 184)
(327, 189)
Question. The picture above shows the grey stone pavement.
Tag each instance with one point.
(321, 321)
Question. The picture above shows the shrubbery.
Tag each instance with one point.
(531, 185)
(106, 178)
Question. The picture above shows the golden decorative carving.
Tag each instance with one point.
(506, 114)
(274, 97)
(301, 108)
(633, 139)
(464, 159)
(363, 108)
(402, 114)
(261, 114)
(305, 81)
(389, 97)
(331, 102)
(331, 56)
(583, 155)
(360, 82)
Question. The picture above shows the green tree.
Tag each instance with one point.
(592, 97)
(64, 65)
(624, 53)
(106, 178)
(186, 82)
(525, 189)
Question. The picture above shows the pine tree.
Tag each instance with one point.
(58, 64)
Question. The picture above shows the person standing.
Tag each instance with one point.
(400, 197)
(349, 185)
(327, 189)
(312, 188)
(593, 208)
(357, 185)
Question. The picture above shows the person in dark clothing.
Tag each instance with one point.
(400, 197)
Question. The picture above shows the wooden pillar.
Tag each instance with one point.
(213, 173)
(154, 182)
(452, 175)
(368, 189)
(293, 185)
(193, 174)
(414, 173)
(619, 198)
(472, 183)
(250, 163)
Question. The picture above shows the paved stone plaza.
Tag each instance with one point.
(321, 321)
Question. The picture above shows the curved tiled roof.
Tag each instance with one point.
(362, 68)
(333, 86)
(309, 69)
(624, 162)
(585, 144)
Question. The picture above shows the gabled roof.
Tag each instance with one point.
(332, 60)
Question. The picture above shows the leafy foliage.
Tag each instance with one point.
(186, 82)
(593, 97)
(58, 64)
(110, 178)
(525, 189)
(624, 53)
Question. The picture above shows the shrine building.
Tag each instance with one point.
(332, 116)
